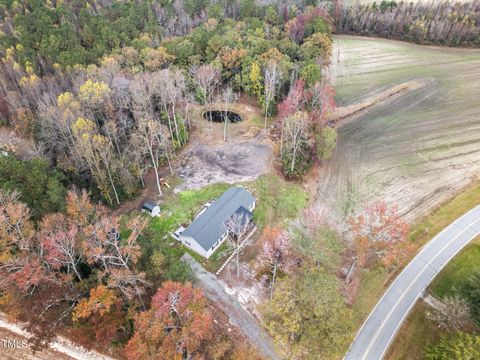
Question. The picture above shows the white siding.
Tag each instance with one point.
(193, 245)
(155, 211)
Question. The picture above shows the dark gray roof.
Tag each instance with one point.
(209, 226)
(149, 205)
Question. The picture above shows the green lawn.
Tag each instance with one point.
(457, 272)
(277, 202)
(372, 284)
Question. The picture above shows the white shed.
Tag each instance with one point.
(151, 209)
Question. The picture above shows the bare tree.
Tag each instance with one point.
(96, 151)
(207, 78)
(296, 134)
(238, 228)
(271, 78)
(453, 314)
(61, 248)
(168, 88)
(228, 97)
(117, 256)
(151, 136)
(275, 253)
(15, 224)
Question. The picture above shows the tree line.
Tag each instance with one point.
(106, 124)
(445, 23)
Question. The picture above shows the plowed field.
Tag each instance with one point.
(416, 149)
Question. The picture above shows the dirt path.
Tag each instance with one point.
(343, 114)
(149, 192)
(239, 317)
(16, 353)
(16, 144)
(61, 349)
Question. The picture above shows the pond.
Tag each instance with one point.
(219, 116)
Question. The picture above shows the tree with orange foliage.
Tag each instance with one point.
(99, 318)
(174, 328)
(379, 234)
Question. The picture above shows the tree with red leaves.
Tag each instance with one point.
(174, 328)
(275, 253)
(44, 267)
(294, 101)
(313, 19)
(380, 234)
(61, 244)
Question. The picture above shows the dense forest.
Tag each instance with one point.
(446, 23)
(105, 90)
(87, 79)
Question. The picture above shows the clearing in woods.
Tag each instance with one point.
(416, 149)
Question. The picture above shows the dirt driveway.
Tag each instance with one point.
(60, 349)
(214, 289)
(17, 353)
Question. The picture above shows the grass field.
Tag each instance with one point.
(416, 149)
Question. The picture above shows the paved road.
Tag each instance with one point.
(378, 331)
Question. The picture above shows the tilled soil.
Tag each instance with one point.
(416, 149)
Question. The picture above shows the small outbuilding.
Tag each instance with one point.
(207, 231)
(151, 209)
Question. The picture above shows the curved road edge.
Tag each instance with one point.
(60, 344)
(377, 332)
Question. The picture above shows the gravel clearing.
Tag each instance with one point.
(22, 147)
(222, 163)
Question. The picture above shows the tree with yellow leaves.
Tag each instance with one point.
(94, 93)
(96, 150)
(256, 80)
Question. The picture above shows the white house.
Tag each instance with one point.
(151, 209)
(207, 231)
